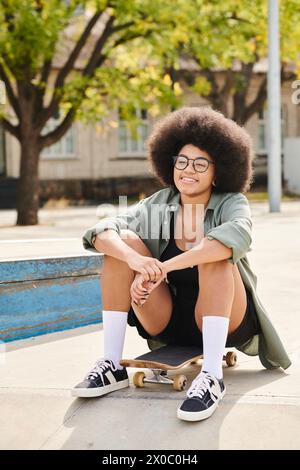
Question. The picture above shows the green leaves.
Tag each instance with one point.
(29, 33)
(146, 42)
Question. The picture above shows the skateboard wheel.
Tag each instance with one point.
(231, 359)
(179, 382)
(138, 379)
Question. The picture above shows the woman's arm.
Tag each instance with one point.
(110, 243)
(207, 251)
(230, 240)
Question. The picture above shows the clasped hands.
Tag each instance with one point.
(150, 272)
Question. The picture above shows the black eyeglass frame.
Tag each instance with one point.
(192, 160)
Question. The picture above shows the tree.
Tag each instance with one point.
(80, 59)
(88, 37)
(229, 45)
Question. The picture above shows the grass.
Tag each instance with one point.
(262, 196)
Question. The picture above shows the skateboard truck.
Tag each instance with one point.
(160, 377)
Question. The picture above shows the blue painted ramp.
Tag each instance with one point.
(40, 296)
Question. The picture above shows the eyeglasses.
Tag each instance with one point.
(200, 164)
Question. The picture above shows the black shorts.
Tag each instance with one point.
(182, 329)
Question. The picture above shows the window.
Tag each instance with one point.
(130, 146)
(65, 147)
(262, 130)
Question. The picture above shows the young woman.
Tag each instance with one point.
(176, 267)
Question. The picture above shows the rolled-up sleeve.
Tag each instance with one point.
(236, 227)
(129, 220)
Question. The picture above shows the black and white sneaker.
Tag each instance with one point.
(203, 397)
(103, 378)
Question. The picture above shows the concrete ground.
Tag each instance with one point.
(58, 234)
(260, 410)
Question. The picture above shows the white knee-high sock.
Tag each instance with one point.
(214, 334)
(114, 326)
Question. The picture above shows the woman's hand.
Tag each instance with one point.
(141, 289)
(151, 268)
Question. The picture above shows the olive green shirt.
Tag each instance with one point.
(227, 219)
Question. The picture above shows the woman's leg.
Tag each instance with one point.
(116, 279)
(221, 292)
(220, 309)
(108, 375)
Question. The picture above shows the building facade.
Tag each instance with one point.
(108, 156)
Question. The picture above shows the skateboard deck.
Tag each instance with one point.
(168, 358)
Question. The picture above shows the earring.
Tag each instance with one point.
(214, 184)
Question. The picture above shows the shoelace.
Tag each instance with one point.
(100, 367)
(201, 384)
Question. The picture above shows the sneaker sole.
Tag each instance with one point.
(199, 415)
(98, 392)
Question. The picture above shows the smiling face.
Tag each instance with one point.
(190, 182)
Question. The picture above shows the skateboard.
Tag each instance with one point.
(169, 358)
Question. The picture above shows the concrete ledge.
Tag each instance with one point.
(44, 295)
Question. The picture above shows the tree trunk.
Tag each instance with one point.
(238, 112)
(28, 185)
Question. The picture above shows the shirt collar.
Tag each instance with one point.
(214, 199)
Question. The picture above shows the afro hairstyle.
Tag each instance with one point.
(229, 145)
